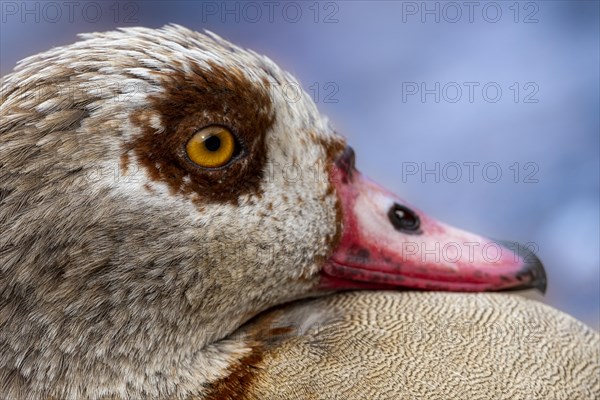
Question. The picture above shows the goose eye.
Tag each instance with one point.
(211, 147)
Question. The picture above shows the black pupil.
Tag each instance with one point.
(212, 143)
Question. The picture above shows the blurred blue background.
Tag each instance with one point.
(424, 86)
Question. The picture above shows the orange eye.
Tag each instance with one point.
(211, 147)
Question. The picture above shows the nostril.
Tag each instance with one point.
(404, 219)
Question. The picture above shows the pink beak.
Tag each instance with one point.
(386, 244)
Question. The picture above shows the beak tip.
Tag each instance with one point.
(537, 271)
(533, 271)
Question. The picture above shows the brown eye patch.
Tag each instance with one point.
(191, 101)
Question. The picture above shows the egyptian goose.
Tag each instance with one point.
(150, 242)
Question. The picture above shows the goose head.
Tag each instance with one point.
(159, 189)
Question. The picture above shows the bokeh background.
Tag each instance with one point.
(423, 86)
